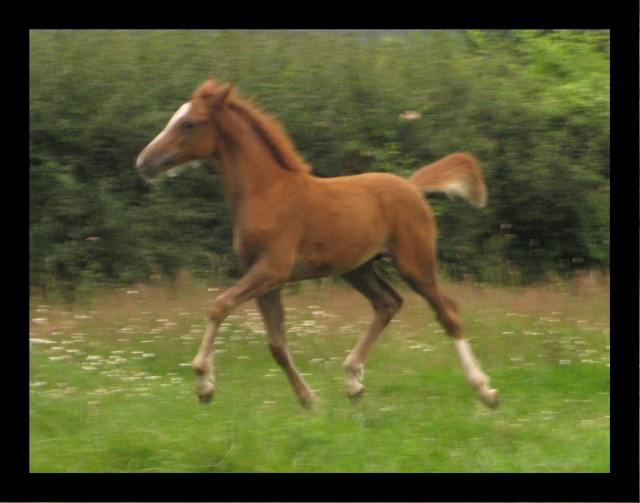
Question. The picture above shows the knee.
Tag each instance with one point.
(219, 311)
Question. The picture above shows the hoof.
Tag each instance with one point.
(205, 399)
(205, 395)
(309, 401)
(491, 399)
(356, 397)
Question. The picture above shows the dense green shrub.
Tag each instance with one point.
(533, 106)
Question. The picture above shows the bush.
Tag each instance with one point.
(532, 106)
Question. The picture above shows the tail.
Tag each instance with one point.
(456, 175)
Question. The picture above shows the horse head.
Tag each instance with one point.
(191, 133)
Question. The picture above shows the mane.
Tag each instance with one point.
(263, 124)
(268, 128)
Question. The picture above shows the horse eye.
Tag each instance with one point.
(188, 125)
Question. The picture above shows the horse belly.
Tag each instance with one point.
(329, 263)
(339, 239)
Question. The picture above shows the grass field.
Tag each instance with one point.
(111, 387)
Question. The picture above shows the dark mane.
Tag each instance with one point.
(272, 133)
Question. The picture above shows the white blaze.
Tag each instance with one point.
(180, 113)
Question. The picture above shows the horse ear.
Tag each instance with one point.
(221, 95)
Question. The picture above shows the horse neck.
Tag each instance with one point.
(247, 170)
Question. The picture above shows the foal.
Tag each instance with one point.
(289, 225)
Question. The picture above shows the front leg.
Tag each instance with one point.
(271, 307)
(202, 364)
(256, 281)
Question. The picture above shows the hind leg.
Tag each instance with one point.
(385, 302)
(448, 317)
(417, 266)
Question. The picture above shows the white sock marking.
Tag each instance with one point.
(474, 374)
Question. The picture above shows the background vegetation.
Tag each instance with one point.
(533, 106)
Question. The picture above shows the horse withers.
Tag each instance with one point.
(289, 225)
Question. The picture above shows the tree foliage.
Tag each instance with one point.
(533, 106)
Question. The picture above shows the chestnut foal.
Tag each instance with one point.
(289, 225)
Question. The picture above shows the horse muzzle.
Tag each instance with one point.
(151, 164)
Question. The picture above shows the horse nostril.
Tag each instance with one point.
(150, 164)
(150, 160)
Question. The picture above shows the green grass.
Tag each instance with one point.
(111, 389)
